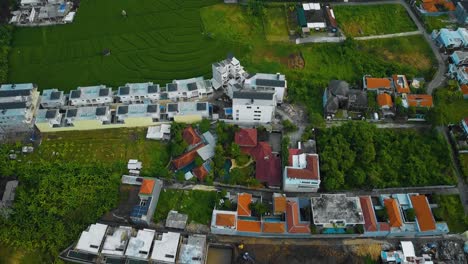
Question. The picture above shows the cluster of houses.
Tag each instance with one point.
(455, 42)
(386, 91)
(405, 215)
(101, 243)
(457, 8)
(253, 100)
(43, 12)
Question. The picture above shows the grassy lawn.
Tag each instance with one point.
(450, 107)
(159, 40)
(464, 165)
(197, 204)
(436, 22)
(373, 19)
(87, 146)
(451, 210)
(276, 28)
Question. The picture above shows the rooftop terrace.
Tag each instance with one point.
(336, 208)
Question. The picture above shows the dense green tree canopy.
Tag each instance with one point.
(359, 155)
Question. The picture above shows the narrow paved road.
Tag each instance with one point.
(462, 186)
(439, 77)
(394, 35)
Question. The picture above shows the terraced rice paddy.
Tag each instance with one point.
(158, 40)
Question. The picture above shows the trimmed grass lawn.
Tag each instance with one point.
(197, 204)
(106, 145)
(371, 20)
(451, 210)
(159, 40)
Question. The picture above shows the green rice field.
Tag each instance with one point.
(159, 40)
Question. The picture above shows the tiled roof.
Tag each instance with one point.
(269, 227)
(292, 219)
(384, 100)
(423, 213)
(147, 186)
(293, 152)
(376, 83)
(243, 202)
(225, 220)
(370, 221)
(393, 212)
(186, 158)
(464, 89)
(267, 165)
(246, 137)
(248, 226)
(401, 88)
(419, 100)
(190, 136)
(311, 171)
(384, 226)
(279, 204)
(200, 172)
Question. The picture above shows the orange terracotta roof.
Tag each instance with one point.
(248, 226)
(225, 220)
(429, 7)
(190, 136)
(200, 172)
(186, 158)
(384, 100)
(401, 87)
(292, 219)
(311, 171)
(279, 204)
(424, 215)
(269, 227)
(464, 89)
(147, 186)
(420, 100)
(370, 221)
(376, 83)
(246, 137)
(243, 202)
(393, 212)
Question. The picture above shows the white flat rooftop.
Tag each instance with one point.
(140, 246)
(165, 250)
(115, 244)
(90, 241)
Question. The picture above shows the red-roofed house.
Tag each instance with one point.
(294, 223)
(246, 137)
(249, 226)
(267, 164)
(424, 216)
(302, 174)
(243, 202)
(384, 101)
(401, 84)
(370, 221)
(378, 85)
(143, 211)
(191, 137)
(200, 172)
(393, 212)
(186, 158)
(464, 90)
(419, 100)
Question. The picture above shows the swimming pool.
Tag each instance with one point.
(272, 219)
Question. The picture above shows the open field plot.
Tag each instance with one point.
(197, 204)
(108, 146)
(450, 107)
(275, 25)
(451, 210)
(373, 19)
(437, 22)
(159, 40)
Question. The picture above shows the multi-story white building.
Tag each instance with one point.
(91, 95)
(253, 106)
(48, 117)
(87, 117)
(268, 82)
(228, 69)
(186, 89)
(144, 114)
(188, 111)
(18, 105)
(303, 172)
(53, 98)
(138, 93)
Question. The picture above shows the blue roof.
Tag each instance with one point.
(139, 210)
